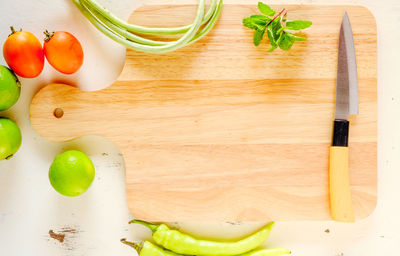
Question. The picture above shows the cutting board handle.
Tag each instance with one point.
(58, 112)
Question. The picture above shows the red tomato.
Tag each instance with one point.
(63, 51)
(23, 53)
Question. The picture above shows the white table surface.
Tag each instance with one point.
(29, 207)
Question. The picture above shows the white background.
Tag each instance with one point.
(29, 207)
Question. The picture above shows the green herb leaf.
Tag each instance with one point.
(277, 28)
(256, 22)
(272, 48)
(271, 37)
(298, 24)
(299, 38)
(258, 36)
(286, 41)
(260, 17)
(265, 9)
(260, 20)
(280, 37)
(247, 22)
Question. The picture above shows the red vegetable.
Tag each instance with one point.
(23, 53)
(63, 51)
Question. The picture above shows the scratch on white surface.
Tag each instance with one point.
(67, 237)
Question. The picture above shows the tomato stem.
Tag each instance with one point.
(48, 34)
(13, 31)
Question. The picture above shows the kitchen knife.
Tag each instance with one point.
(346, 104)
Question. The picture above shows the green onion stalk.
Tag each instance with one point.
(131, 36)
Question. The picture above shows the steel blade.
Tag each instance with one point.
(346, 83)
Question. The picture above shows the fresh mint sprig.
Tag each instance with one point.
(276, 26)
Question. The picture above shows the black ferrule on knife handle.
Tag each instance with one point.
(340, 133)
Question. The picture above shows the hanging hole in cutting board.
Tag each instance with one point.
(58, 112)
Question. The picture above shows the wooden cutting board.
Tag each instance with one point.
(223, 130)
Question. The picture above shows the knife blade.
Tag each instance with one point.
(346, 82)
(346, 104)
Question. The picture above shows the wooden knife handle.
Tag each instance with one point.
(339, 185)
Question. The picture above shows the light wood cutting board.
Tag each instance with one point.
(223, 130)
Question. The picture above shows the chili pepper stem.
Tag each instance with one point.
(48, 35)
(135, 246)
(151, 226)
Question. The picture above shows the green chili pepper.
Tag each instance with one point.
(150, 249)
(185, 244)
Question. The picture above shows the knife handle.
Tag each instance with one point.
(339, 180)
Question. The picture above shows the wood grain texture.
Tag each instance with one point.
(222, 130)
(339, 185)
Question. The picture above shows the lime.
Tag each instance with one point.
(9, 88)
(10, 138)
(71, 173)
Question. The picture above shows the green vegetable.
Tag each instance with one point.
(10, 138)
(10, 88)
(149, 249)
(185, 244)
(130, 35)
(276, 26)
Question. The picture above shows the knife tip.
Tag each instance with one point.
(345, 16)
(346, 20)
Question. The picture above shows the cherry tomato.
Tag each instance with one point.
(23, 53)
(63, 51)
